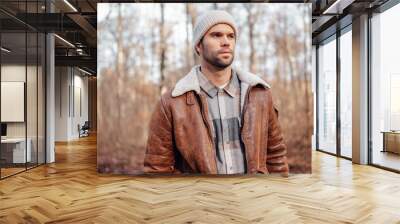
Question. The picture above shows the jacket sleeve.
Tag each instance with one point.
(276, 148)
(159, 157)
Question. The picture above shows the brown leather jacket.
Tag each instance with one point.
(180, 138)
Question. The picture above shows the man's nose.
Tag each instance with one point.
(225, 41)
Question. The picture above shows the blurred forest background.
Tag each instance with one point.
(143, 49)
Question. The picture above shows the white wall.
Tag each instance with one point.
(80, 110)
(71, 93)
(12, 73)
(61, 103)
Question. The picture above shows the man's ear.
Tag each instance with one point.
(197, 48)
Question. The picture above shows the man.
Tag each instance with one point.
(216, 120)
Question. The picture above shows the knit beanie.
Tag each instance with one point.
(207, 20)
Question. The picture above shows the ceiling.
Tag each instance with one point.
(75, 21)
(330, 15)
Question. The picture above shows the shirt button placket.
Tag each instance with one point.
(226, 162)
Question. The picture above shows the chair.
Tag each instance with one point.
(84, 130)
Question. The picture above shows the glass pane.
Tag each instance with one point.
(41, 98)
(23, 88)
(13, 87)
(314, 77)
(346, 94)
(31, 84)
(31, 100)
(327, 97)
(386, 89)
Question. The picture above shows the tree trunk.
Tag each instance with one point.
(250, 24)
(120, 70)
(306, 72)
(215, 6)
(162, 49)
(193, 14)
(188, 48)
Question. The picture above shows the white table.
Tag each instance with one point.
(19, 149)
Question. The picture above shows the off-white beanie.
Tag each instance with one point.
(207, 20)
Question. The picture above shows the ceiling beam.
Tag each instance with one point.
(86, 26)
(337, 6)
(82, 61)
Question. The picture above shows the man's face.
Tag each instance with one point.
(218, 46)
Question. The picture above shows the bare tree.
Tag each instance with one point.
(307, 61)
(162, 49)
(193, 15)
(251, 21)
(188, 48)
(120, 64)
(215, 5)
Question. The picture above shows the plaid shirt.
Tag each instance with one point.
(224, 115)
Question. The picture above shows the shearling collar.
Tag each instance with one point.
(190, 81)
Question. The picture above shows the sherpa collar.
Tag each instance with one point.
(190, 81)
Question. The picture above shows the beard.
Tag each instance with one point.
(218, 62)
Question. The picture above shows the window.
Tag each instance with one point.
(346, 94)
(22, 76)
(327, 96)
(385, 89)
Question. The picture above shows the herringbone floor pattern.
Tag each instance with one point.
(71, 191)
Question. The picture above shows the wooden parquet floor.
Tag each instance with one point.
(71, 191)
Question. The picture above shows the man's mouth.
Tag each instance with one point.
(225, 51)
